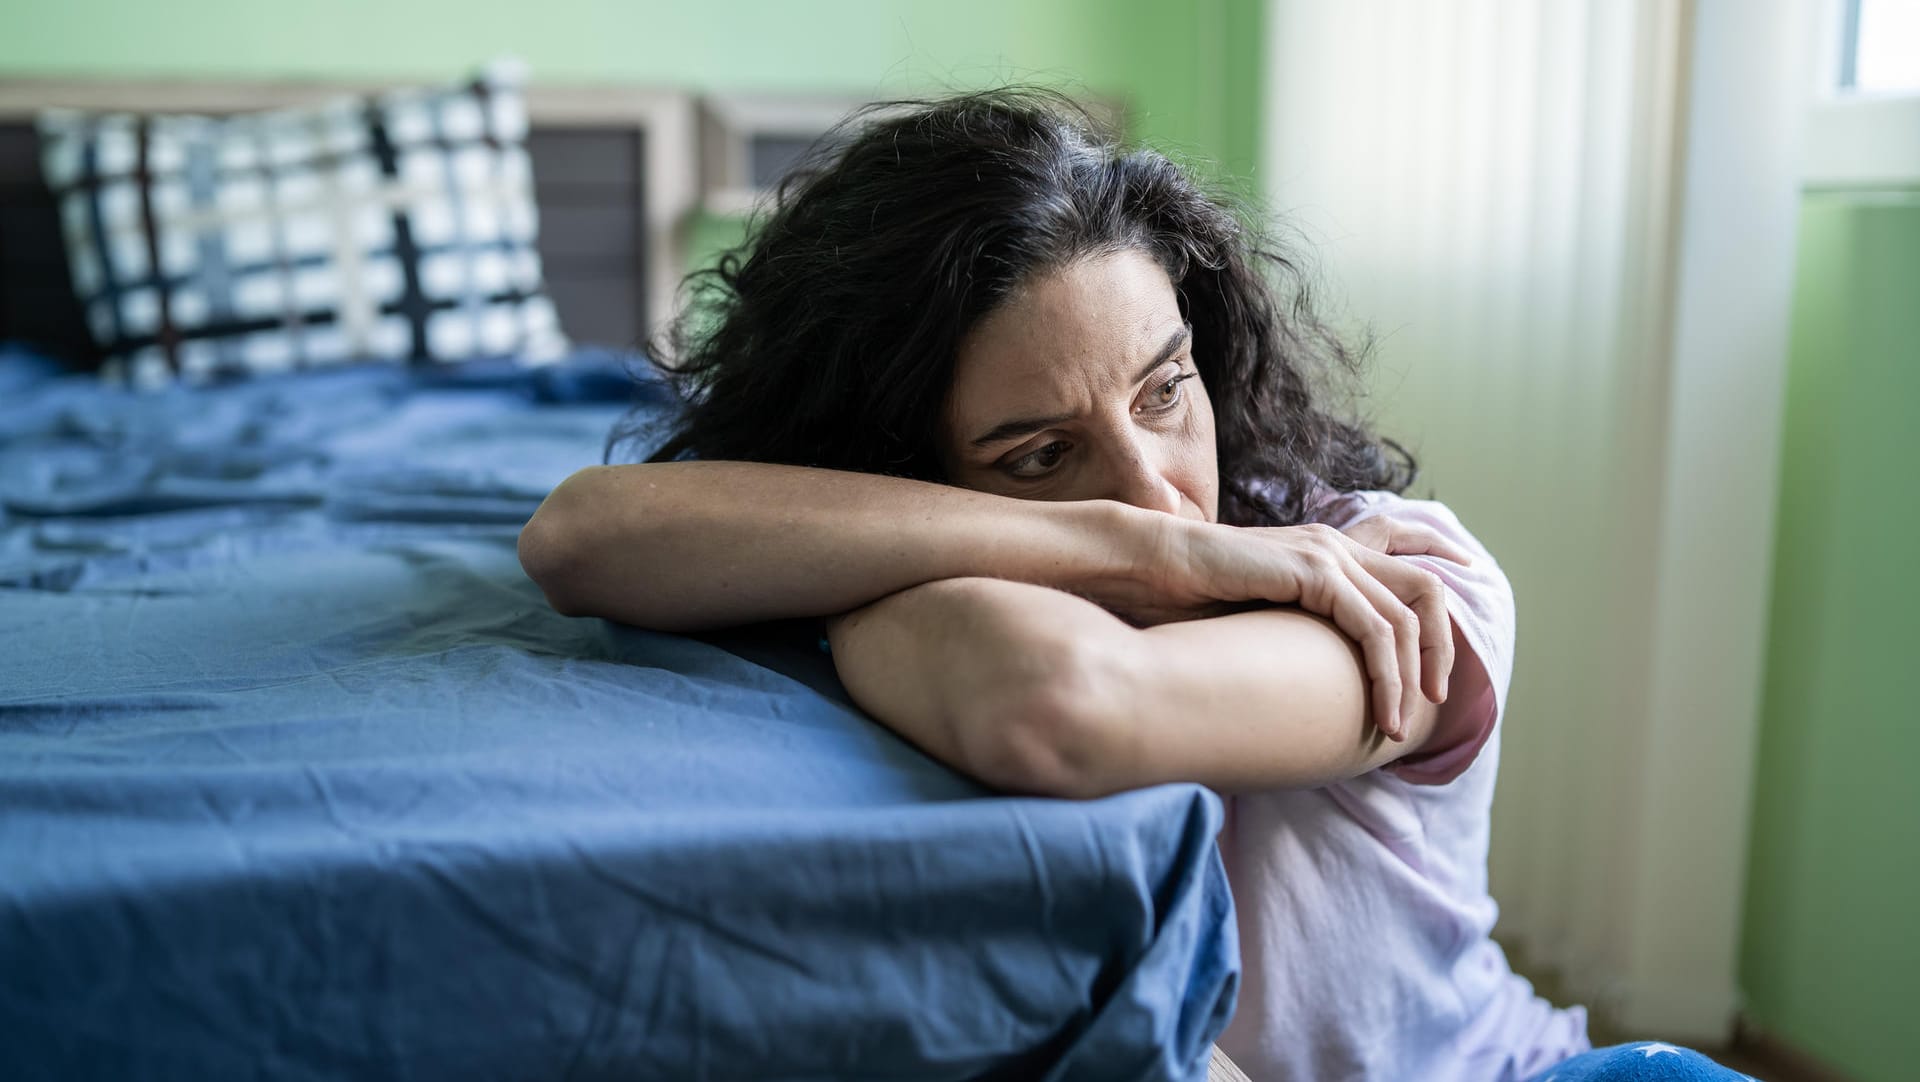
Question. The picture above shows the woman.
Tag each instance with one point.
(1025, 420)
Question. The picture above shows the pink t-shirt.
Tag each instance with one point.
(1364, 914)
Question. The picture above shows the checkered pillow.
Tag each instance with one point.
(399, 227)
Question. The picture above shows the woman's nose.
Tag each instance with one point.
(1139, 481)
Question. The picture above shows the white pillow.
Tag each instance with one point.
(395, 228)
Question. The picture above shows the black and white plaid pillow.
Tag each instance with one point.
(400, 227)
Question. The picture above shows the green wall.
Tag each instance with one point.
(1188, 70)
(1188, 73)
(1830, 951)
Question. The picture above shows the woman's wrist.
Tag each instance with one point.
(1121, 557)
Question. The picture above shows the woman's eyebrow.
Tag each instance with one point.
(1026, 426)
(1174, 342)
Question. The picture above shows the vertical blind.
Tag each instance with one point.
(1489, 187)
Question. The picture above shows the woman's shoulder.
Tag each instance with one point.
(1340, 509)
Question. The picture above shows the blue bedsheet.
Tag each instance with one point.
(300, 778)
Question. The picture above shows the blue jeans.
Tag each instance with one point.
(1639, 1061)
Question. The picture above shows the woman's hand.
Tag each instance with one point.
(1384, 533)
(1395, 611)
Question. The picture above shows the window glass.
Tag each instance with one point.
(1881, 47)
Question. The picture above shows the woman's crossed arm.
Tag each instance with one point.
(695, 545)
(1034, 690)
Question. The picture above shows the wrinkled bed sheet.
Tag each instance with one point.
(300, 778)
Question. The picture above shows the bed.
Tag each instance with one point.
(300, 778)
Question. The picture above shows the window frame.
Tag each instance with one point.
(1854, 139)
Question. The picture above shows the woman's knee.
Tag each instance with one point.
(1640, 1061)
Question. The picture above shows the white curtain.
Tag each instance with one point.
(1495, 187)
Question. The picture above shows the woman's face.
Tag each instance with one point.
(1082, 387)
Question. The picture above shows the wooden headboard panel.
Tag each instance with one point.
(616, 173)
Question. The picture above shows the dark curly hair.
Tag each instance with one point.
(829, 338)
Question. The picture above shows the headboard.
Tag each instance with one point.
(616, 174)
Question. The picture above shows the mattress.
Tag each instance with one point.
(300, 778)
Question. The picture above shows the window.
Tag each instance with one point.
(1880, 47)
(1863, 129)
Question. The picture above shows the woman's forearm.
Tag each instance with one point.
(1032, 690)
(690, 545)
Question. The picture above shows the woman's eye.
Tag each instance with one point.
(1038, 463)
(1168, 394)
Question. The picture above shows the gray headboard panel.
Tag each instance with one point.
(37, 304)
(615, 177)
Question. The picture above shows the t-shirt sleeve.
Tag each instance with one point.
(1480, 601)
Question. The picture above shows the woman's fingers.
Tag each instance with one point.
(1343, 599)
(1389, 535)
(1384, 534)
(1405, 624)
(1421, 591)
(1393, 609)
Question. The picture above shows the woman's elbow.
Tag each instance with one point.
(552, 548)
(544, 557)
(1052, 732)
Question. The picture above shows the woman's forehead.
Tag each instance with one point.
(1076, 330)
